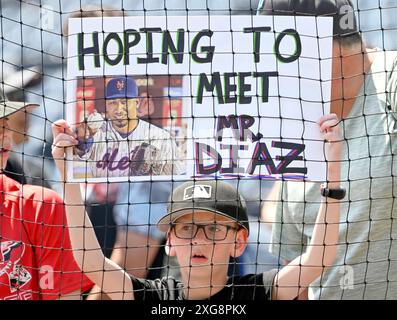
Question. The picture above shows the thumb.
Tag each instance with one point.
(62, 145)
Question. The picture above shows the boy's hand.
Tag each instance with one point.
(330, 128)
(64, 137)
(332, 133)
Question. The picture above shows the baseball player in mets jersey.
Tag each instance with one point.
(123, 145)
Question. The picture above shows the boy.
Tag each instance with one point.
(207, 224)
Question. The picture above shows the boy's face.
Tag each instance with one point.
(5, 142)
(203, 242)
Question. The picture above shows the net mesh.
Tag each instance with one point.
(44, 256)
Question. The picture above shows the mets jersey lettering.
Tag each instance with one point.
(148, 150)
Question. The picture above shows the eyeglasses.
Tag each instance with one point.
(213, 231)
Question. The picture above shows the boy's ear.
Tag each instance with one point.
(169, 250)
(241, 242)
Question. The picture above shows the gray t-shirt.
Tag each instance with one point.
(366, 263)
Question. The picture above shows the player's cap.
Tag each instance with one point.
(9, 107)
(123, 87)
(214, 196)
(342, 11)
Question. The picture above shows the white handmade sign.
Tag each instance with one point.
(159, 97)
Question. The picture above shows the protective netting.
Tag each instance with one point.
(219, 93)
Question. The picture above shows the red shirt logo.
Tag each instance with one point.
(10, 254)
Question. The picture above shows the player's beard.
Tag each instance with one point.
(120, 123)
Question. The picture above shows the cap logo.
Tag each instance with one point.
(197, 191)
(120, 85)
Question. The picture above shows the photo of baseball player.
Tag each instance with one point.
(117, 143)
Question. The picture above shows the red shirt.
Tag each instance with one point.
(36, 260)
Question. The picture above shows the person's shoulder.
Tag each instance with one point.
(9, 185)
(149, 126)
(40, 194)
(10, 188)
(385, 60)
(16, 191)
(153, 130)
(268, 277)
(391, 55)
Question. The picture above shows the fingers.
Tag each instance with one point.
(328, 121)
(65, 140)
(329, 127)
(63, 134)
(62, 126)
(62, 141)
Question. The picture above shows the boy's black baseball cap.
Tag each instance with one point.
(214, 196)
(327, 8)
